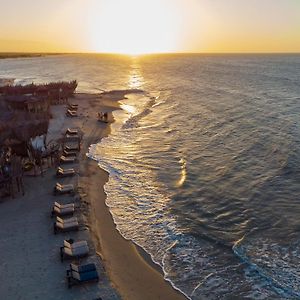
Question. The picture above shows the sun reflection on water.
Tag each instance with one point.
(182, 179)
(136, 79)
(129, 108)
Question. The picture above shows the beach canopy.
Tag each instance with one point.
(105, 114)
(22, 126)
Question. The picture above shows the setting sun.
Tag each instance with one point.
(134, 27)
(161, 137)
(145, 26)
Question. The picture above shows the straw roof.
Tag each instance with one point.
(22, 126)
(52, 87)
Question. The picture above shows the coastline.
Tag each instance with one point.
(132, 275)
(30, 250)
(26, 234)
(6, 55)
(130, 268)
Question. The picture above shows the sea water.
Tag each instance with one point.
(204, 164)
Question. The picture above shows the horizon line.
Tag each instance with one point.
(141, 54)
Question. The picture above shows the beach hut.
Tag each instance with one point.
(105, 115)
(18, 127)
(27, 103)
(36, 105)
(57, 92)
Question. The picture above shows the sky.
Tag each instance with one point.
(149, 26)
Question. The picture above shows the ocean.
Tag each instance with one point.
(204, 163)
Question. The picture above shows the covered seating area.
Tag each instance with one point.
(105, 115)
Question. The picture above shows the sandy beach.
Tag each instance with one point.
(31, 268)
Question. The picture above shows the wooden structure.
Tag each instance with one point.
(105, 115)
(54, 92)
(27, 103)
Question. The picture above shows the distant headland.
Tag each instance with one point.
(24, 54)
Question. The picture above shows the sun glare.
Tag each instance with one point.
(134, 26)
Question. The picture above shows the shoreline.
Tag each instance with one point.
(30, 251)
(143, 278)
(130, 268)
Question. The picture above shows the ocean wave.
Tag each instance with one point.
(230, 127)
(276, 263)
(134, 119)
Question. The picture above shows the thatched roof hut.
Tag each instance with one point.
(27, 103)
(21, 126)
(17, 89)
(105, 115)
(67, 88)
(54, 92)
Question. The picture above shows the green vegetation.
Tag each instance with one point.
(20, 54)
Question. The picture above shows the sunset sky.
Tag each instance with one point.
(147, 26)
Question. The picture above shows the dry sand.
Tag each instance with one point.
(29, 261)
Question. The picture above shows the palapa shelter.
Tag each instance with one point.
(24, 111)
(17, 128)
(55, 92)
(27, 103)
(105, 115)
